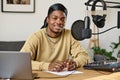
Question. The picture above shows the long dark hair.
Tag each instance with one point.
(57, 6)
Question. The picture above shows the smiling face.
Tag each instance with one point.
(56, 22)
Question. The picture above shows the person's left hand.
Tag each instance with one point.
(56, 66)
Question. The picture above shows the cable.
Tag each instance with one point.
(104, 31)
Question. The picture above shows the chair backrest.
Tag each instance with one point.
(11, 45)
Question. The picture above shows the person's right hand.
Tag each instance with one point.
(56, 66)
(70, 65)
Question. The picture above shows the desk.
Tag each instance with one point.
(85, 75)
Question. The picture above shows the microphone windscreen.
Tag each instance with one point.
(76, 29)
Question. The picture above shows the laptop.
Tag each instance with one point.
(15, 65)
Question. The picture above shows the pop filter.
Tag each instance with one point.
(77, 28)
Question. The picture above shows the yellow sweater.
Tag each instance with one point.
(45, 49)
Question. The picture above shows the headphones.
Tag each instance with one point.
(99, 20)
(81, 28)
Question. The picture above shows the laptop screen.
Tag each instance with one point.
(15, 65)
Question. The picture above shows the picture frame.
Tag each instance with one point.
(18, 6)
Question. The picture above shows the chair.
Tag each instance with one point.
(11, 45)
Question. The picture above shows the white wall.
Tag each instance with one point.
(18, 26)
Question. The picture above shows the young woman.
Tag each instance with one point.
(53, 47)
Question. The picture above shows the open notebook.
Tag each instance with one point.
(15, 65)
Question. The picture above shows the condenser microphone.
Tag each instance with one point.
(87, 22)
(86, 32)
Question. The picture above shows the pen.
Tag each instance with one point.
(70, 57)
(71, 62)
(67, 64)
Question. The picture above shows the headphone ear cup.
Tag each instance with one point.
(99, 20)
(86, 32)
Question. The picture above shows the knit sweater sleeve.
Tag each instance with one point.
(40, 65)
(31, 47)
(79, 54)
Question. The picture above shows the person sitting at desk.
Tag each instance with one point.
(51, 46)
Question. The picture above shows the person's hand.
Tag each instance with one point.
(56, 66)
(70, 65)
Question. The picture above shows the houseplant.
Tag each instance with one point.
(103, 54)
